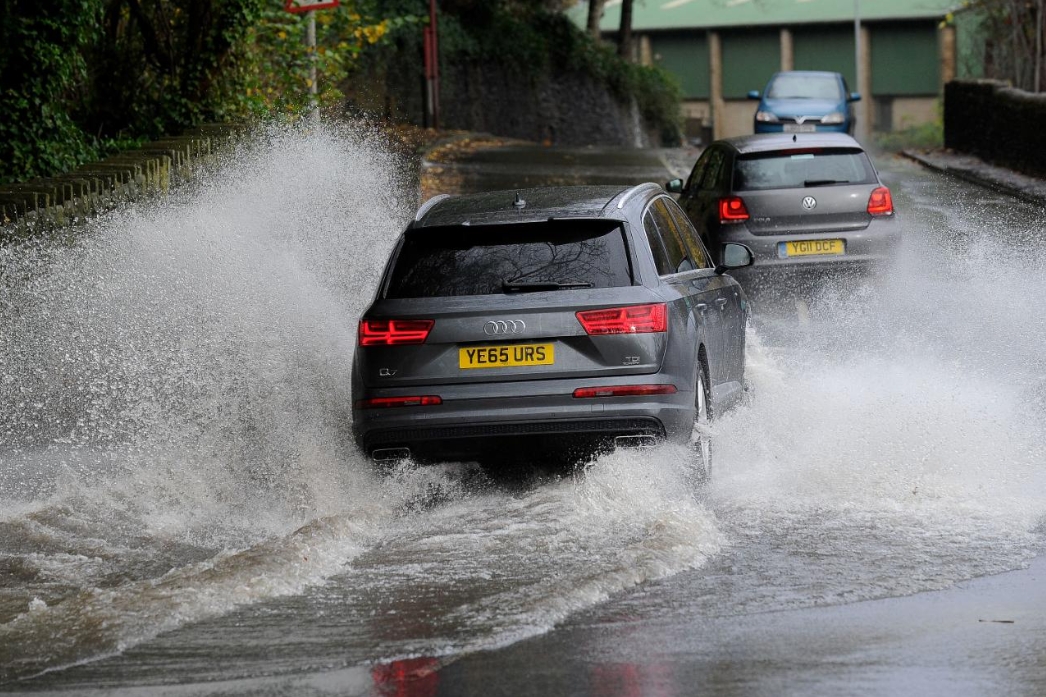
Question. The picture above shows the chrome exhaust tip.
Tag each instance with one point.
(390, 454)
(637, 441)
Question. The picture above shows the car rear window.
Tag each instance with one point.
(795, 169)
(487, 259)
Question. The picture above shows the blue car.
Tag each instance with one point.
(805, 101)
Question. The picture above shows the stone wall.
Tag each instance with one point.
(999, 124)
(39, 206)
(561, 108)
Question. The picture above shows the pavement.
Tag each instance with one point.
(976, 170)
(986, 636)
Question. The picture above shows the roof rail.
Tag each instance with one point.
(427, 206)
(633, 191)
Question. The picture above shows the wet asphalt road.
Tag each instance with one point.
(877, 527)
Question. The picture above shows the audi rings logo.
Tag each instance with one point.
(809, 203)
(501, 327)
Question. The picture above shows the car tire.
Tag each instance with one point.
(700, 437)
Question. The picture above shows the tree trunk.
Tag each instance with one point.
(595, 13)
(624, 37)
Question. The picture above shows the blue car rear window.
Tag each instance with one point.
(795, 169)
(484, 259)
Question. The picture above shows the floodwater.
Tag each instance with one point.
(180, 501)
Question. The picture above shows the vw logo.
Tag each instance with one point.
(500, 327)
(809, 203)
(800, 120)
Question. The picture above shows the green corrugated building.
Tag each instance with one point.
(721, 49)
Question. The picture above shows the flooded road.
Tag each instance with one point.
(182, 511)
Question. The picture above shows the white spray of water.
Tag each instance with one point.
(907, 409)
(175, 391)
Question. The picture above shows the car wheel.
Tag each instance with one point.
(701, 437)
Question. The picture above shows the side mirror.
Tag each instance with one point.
(675, 186)
(854, 97)
(754, 94)
(735, 256)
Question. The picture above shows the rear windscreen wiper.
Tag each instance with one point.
(533, 286)
(824, 182)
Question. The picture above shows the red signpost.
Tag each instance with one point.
(308, 5)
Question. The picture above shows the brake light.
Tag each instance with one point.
(394, 332)
(732, 210)
(623, 391)
(880, 202)
(430, 400)
(633, 319)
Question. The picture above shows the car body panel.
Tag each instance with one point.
(808, 213)
(805, 113)
(483, 411)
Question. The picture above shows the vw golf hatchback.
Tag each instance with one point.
(547, 321)
(802, 203)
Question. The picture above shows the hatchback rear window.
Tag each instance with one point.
(795, 169)
(495, 259)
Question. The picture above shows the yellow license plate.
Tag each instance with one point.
(506, 356)
(804, 248)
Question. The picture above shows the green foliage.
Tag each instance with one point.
(41, 69)
(926, 136)
(1011, 40)
(276, 77)
(81, 78)
(164, 65)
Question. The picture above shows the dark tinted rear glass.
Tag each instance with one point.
(796, 169)
(480, 259)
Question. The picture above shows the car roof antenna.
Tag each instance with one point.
(794, 137)
(519, 202)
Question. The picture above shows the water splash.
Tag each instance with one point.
(174, 388)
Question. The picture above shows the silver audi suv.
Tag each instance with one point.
(552, 321)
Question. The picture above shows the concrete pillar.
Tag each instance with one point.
(646, 52)
(947, 44)
(866, 107)
(715, 79)
(787, 51)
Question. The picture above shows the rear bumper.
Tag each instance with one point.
(872, 247)
(464, 426)
(508, 441)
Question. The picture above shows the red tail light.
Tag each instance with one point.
(429, 400)
(732, 210)
(633, 319)
(394, 332)
(880, 202)
(623, 391)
